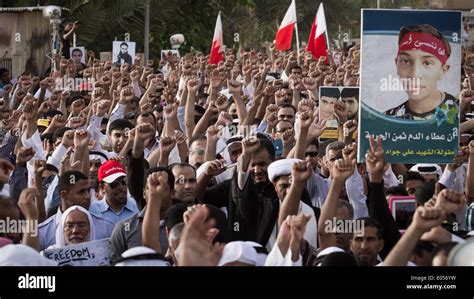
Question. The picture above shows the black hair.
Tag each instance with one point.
(120, 124)
(425, 192)
(315, 142)
(72, 98)
(286, 105)
(350, 93)
(159, 169)
(158, 108)
(69, 179)
(59, 133)
(52, 113)
(3, 71)
(147, 114)
(48, 136)
(322, 148)
(221, 223)
(339, 259)
(296, 67)
(77, 50)
(397, 191)
(444, 248)
(267, 145)
(6, 206)
(370, 222)
(330, 92)
(425, 28)
(334, 146)
(130, 116)
(196, 137)
(174, 215)
(124, 44)
(413, 176)
(421, 246)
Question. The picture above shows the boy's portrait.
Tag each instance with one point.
(421, 61)
(410, 84)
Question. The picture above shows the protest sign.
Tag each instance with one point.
(410, 84)
(123, 52)
(78, 54)
(328, 96)
(94, 253)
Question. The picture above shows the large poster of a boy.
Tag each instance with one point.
(410, 82)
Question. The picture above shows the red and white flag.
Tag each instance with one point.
(284, 34)
(317, 38)
(217, 43)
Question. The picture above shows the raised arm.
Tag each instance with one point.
(27, 206)
(300, 173)
(424, 219)
(376, 201)
(193, 87)
(212, 169)
(235, 88)
(156, 190)
(341, 171)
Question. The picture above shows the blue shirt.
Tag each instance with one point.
(47, 229)
(102, 209)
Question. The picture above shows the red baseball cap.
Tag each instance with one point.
(110, 171)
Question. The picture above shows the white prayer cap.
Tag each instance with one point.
(329, 250)
(325, 252)
(23, 256)
(280, 167)
(427, 169)
(262, 253)
(462, 254)
(239, 251)
(142, 256)
(136, 251)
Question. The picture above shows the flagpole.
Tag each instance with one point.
(296, 31)
(329, 54)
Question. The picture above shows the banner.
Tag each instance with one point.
(328, 96)
(123, 52)
(94, 253)
(410, 84)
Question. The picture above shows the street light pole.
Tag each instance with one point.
(147, 31)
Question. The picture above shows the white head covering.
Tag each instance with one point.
(261, 257)
(239, 251)
(226, 154)
(417, 167)
(23, 256)
(60, 240)
(141, 256)
(280, 167)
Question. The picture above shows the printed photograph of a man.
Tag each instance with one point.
(124, 52)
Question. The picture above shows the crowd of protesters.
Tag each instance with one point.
(179, 163)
